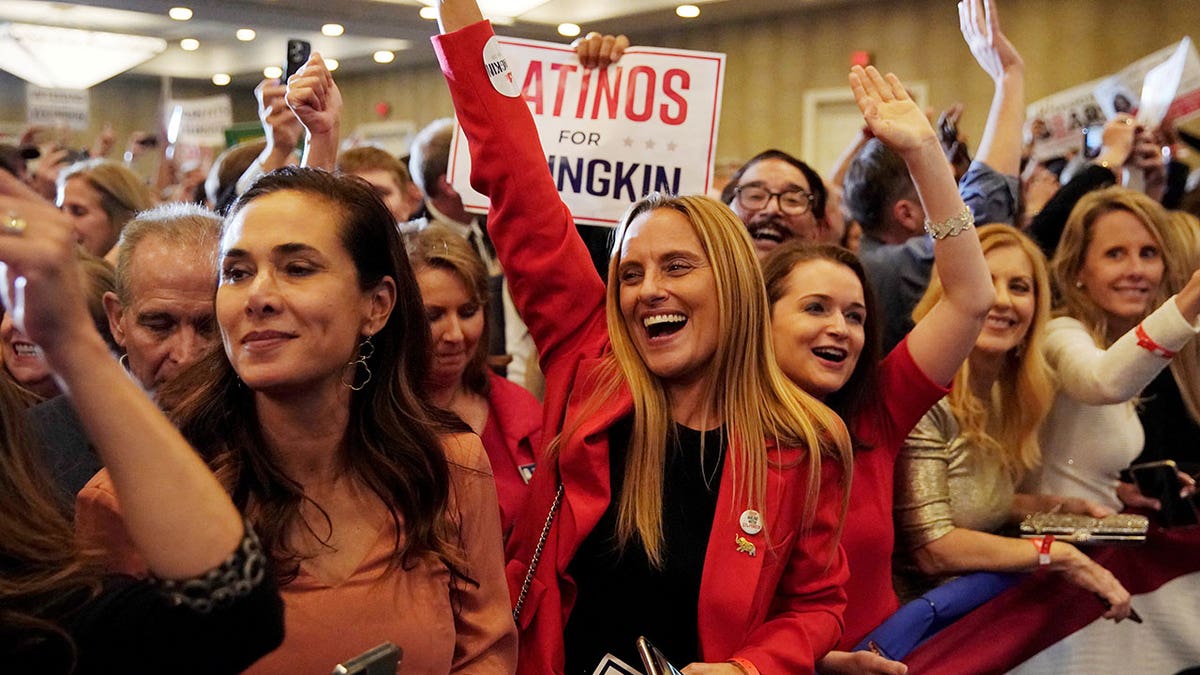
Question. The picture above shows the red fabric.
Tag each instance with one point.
(905, 394)
(512, 435)
(1045, 608)
(775, 610)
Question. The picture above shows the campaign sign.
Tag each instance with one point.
(199, 121)
(647, 123)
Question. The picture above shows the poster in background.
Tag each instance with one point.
(199, 121)
(610, 136)
(68, 108)
(1165, 85)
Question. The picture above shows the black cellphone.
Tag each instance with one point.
(297, 55)
(381, 660)
(1093, 141)
(653, 660)
(1159, 480)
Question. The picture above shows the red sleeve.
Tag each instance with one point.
(905, 394)
(549, 271)
(805, 619)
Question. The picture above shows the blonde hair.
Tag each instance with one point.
(122, 192)
(1181, 256)
(750, 393)
(1077, 236)
(1007, 424)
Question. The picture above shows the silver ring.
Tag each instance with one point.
(15, 224)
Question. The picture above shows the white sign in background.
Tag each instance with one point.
(199, 121)
(57, 107)
(610, 136)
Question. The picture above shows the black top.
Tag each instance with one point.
(1047, 227)
(137, 626)
(620, 596)
(1171, 433)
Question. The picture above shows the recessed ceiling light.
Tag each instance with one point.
(246, 34)
(273, 72)
(189, 44)
(221, 79)
(180, 13)
(331, 64)
(688, 11)
(428, 12)
(568, 29)
(332, 29)
(384, 56)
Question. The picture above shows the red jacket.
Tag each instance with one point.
(777, 610)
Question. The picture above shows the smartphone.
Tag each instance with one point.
(1160, 480)
(653, 660)
(297, 55)
(1093, 141)
(381, 660)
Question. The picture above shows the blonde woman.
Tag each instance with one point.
(1106, 344)
(100, 196)
(956, 478)
(701, 492)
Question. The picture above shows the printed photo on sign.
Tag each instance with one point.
(647, 123)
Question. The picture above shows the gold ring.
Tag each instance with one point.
(15, 224)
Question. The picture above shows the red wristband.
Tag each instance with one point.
(1146, 342)
(1043, 548)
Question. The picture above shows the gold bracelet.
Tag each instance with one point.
(952, 226)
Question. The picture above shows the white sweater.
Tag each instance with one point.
(1093, 431)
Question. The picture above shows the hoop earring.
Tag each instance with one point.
(124, 361)
(365, 351)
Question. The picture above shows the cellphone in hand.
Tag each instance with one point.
(297, 55)
(1160, 480)
(381, 660)
(1093, 141)
(653, 660)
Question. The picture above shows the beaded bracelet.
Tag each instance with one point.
(952, 226)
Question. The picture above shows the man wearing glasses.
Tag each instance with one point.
(779, 198)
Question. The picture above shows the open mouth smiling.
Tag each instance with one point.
(769, 232)
(663, 325)
(831, 354)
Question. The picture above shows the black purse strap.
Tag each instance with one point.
(537, 554)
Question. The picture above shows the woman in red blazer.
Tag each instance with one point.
(701, 492)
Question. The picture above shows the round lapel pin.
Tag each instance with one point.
(751, 521)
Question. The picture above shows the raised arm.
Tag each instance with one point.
(163, 485)
(1000, 146)
(282, 129)
(944, 338)
(316, 100)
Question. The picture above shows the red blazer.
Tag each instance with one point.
(511, 437)
(778, 610)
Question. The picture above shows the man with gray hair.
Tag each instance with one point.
(161, 315)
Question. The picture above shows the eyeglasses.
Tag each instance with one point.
(792, 202)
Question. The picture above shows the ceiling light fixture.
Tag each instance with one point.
(221, 79)
(332, 29)
(273, 72)
(503, 9)
(67, 58)
(246, 34)
(180, 13)
(332, 64)
(688, 11)
(189, 44)
(428, 13)
(384, 56)
(569, 29)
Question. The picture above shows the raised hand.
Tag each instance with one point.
(282, 126)
(599, 51)
(314, 97)
(980, 26)
(889, 111)
(40, 281)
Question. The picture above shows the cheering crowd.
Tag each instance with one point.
(269, 420)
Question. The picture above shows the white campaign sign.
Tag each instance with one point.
(610, 136)
(54, 107)
(199, 121)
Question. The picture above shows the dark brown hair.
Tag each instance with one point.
(393, 437)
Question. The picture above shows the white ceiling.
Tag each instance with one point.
(371, 25)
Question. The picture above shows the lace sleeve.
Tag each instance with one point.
(219, 587)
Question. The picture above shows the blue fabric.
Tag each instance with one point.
(921, 619)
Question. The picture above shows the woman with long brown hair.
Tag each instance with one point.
(379, 515)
